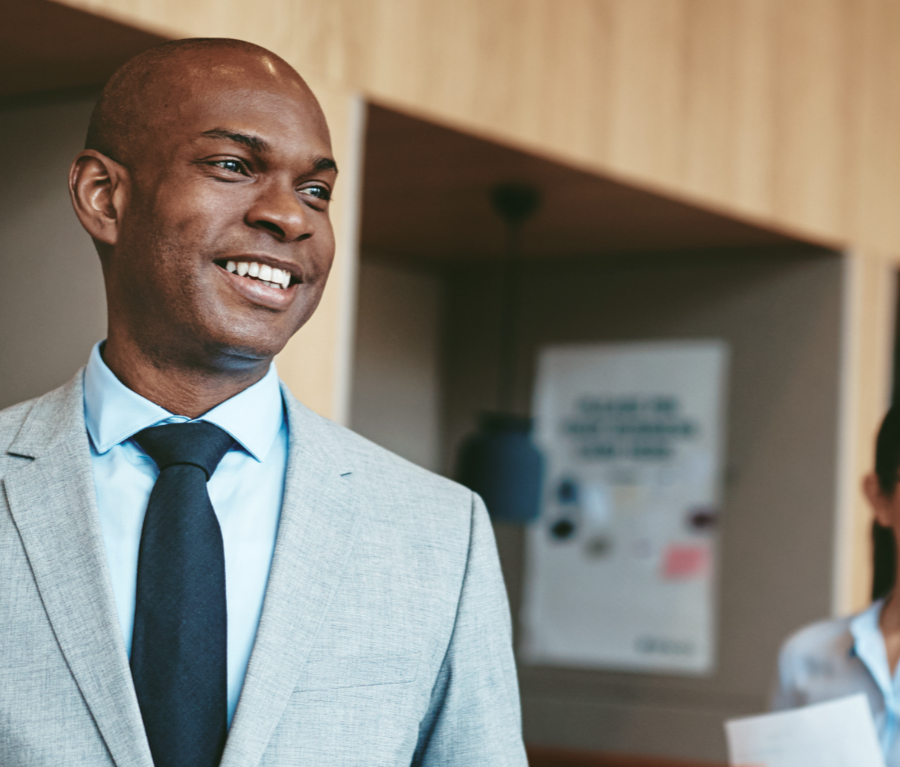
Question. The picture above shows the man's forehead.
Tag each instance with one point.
(159, 94)
(226, 87)
(231, 64)
(258, 117)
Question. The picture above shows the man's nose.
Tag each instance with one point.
(279, 211)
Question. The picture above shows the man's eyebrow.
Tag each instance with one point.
(325, 163)
(251, 142)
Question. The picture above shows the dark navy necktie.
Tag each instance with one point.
(178, 651)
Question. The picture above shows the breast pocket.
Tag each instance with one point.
(337, 671)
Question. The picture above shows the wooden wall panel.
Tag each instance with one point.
(710, 72)
(785, 112)
(750, 151)
(812, 133)
(873, 182)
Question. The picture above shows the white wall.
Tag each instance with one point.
(396, 391)
(52, 306)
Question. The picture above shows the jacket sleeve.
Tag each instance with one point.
(474, 717)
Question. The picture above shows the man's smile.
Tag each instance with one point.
(260, 283)
(254, 270)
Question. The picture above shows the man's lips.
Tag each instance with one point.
(252, 286)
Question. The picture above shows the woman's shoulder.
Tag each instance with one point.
(821, 639)
(821, 661)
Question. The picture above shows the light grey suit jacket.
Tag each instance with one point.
(385, 633)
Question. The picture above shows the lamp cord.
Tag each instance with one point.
(511, 275)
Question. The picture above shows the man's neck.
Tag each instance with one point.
(183, 391)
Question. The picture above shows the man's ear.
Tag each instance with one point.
(880, 503)
(98, 187)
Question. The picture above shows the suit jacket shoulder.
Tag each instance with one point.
(394, 475)
(13, 420)
(399, 491)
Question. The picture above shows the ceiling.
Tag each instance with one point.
(426, 195)
(45, 46)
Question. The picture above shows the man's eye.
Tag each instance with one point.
(322, 192)
(230, 165)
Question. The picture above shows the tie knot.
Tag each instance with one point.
(199, 444)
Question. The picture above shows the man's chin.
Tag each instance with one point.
(237, 352)
(240, 336)
(243, 356)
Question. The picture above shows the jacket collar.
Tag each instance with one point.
(868, 645)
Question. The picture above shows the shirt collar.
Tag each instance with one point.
(868, 644)
(113, 413)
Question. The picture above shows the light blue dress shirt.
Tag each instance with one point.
(840, 657)
(246, 491)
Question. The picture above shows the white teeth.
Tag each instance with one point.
(267, 275)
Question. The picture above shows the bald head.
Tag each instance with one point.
(204, 158)
(152, 89)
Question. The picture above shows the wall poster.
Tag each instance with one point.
(620, 568)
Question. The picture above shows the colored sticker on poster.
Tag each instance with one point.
(621, 565)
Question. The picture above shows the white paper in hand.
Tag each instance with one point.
(839, 733)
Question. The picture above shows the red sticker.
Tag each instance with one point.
(681, 562)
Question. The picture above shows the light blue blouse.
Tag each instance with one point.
(840, 657)
(246, 491)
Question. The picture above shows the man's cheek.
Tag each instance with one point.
(321, 264)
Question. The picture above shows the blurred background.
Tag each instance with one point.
(701, 169)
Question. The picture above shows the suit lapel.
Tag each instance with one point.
(53, 504)
(319, 522)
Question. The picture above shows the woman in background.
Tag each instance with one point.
(845, 656)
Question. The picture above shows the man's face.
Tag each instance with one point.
(236, 183)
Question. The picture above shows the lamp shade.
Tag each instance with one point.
(502, 465)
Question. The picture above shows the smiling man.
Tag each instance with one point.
(194, 568)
